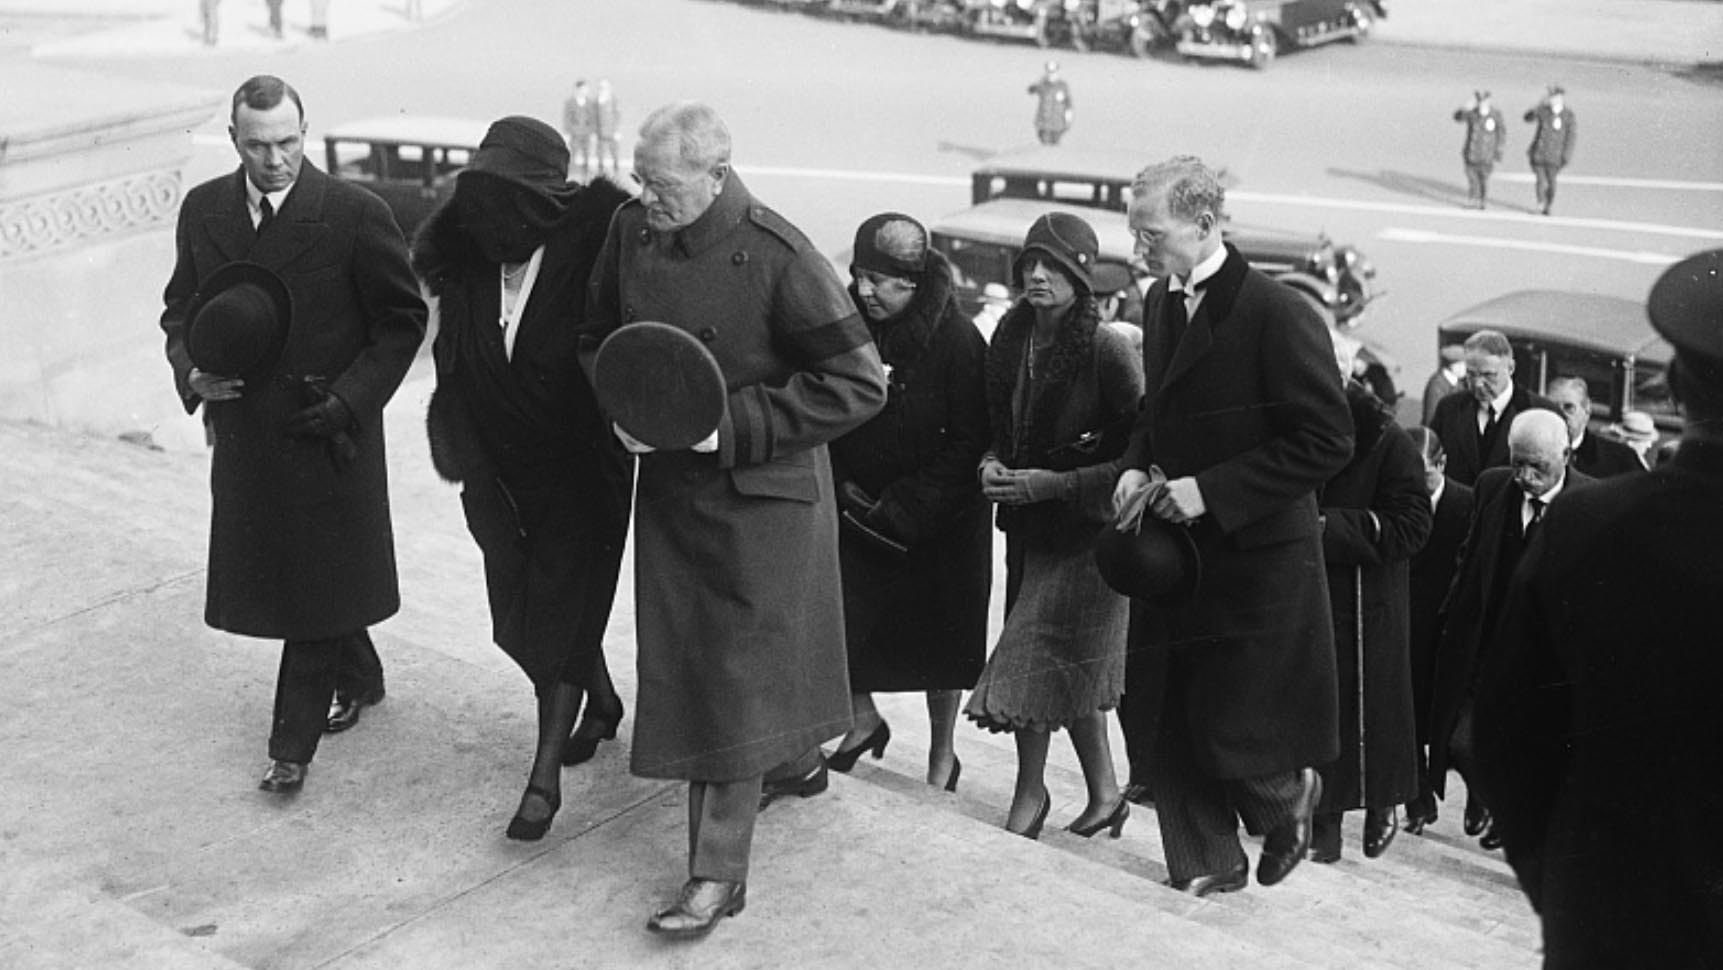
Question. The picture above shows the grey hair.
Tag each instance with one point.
(1539, 432)
(1568, 380)
(1192, 187)
(696, 132)
(1490, 342)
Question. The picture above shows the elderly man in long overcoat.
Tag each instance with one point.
(1243, 420)
(737, 593)
(300, 544)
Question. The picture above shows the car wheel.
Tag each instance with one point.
(1142, 42)
(1263, 46)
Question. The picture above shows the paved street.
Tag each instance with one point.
(131, 834)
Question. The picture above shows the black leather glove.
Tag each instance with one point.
(326, 418)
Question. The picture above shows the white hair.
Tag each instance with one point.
(1537, 432)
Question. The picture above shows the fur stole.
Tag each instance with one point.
(1073, 351)
(1370, 419)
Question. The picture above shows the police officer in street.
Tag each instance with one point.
(1052, 105)
(1552, 142)
(1485, 135)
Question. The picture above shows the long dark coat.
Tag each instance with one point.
(1368, 584)
(1487, 559)
(1432, 575)
(737, 593)
(1486, 135)
(1553, 141)
(1251, 406)
(1601, 457)
(297, 548)
(545, 485)
(1456, 423)
(1598, 722)
(919, 621)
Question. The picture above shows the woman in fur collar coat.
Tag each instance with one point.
(1062, 391)
(544, 485)
(915, 546)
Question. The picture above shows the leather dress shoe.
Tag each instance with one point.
(1491, 839)
(1214, 882)
(1420, 812)
(1477, 816)
(1325, 837)
(344, 711)
(806, 786)
(283, 778)
(1380, 826)
(699, 907)
(1286, 845)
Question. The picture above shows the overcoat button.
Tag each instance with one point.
(708, 334)
(739, 257)
(645, 235)
(628, 313)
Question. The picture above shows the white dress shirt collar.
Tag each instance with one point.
(254, 200)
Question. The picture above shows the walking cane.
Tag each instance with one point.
(1358, 609)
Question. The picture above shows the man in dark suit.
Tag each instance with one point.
(1596, 456)
(301, 546)
(1598, 727)
(1510, 505)
(1243, 419)
(1473, 425)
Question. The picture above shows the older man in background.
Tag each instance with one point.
(1473, 426)
(1509, 505)
(1594, 455)
(737, 594)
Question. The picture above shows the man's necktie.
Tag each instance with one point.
(1537, 505)
(268, 210)
(1178, 318)
(1489, 423)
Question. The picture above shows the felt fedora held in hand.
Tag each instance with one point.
(660, 384)
(1155, 562)
(1066, 239)
(237, 323)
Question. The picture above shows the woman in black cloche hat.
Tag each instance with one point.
(1061, 390)
(915, 547)
(544, 484)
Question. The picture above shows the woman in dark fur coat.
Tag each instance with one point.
(1054, 376)
(544, 484)
(1375, 517)
(916, 546)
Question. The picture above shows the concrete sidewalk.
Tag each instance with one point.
(1679, 32)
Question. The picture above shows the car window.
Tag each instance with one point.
(975, 264)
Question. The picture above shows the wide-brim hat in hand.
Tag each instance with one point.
(660, 384)
(237, 323)
(1068, 241)
(1156, 561)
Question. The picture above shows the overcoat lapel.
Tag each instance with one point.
(1219, 295)
(298, 226)
(228, 226)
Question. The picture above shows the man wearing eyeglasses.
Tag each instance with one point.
(1473, 421)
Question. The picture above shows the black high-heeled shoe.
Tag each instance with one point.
(844, 759)
(1033, 832)
(580, 748)
(530, 830)
(1115, 820)
(956, 770)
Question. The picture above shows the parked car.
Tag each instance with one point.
(1046, 22)
(1254, 31)
(409, 161)
(1116, 25)
(1606, 340)
(1338, 278)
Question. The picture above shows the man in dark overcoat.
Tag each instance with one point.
(1509, 504)
(1244, 418)
(1595, 455)
(301, 545)
(1486, 134)
(1552, 143)
(1473, 421)
(1598, 726)
(737, 592)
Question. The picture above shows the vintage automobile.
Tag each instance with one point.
(1254, 31)
(1116, 25)
(919, 14)
(1046, 22)
(409, 161)
(982, 243)
(1338, 278)
(1606, 340)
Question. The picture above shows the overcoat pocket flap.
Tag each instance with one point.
(792, 477)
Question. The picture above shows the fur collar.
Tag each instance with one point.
(1073, 351)
(442, 249)
(1370, 419)
(905, 338)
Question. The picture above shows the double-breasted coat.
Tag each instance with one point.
(1552, 142)
(1493, 547)
(1456, 423)
(918, 621)
(1376, 516)
(298, 548)
(1250, 405)
(1597, 720)
(737, 595)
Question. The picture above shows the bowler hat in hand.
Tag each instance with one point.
(237, 323)
(1155, 562)
(660, 384)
